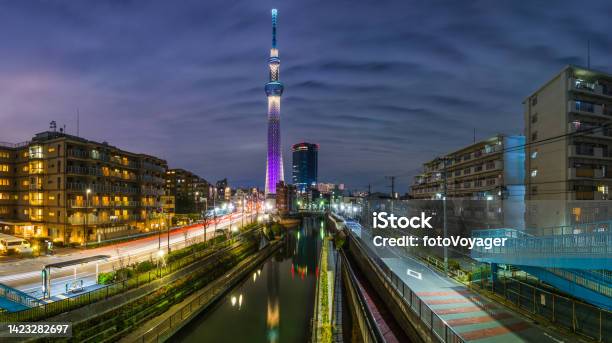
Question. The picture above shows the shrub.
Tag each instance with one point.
(145, 266)
(106, 278)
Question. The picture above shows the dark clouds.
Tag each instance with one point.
(382, 85)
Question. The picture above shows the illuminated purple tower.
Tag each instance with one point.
(274, 90)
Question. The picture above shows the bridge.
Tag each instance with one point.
(574, 259)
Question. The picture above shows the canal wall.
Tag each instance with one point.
(165, 326)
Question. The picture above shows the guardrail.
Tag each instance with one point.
(181, 316)
(364, 316)
(437, 326)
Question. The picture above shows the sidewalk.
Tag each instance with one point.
(470, 315)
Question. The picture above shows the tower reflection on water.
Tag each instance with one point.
(275, 304)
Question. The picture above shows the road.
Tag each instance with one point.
(468, 314)
(25, 274)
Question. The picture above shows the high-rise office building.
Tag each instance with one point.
(74, 190)
(305, 165)
(274, 90)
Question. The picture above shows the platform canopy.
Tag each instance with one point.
(77, 261)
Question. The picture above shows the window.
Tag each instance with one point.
(4, 154)
(534, 136)
(534, 190)
(534, 101)
(36, 151)
(4, 196)
(490, 182)
(490, 165)
(534, 154)
(51, 149)
(467, 170)
(5, 182)
(4, 167)
(534, 118)
(534, 172)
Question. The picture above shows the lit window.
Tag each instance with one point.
(534, 173)
(602, 189)
(51, 150)
(4, 167)
(36, 151)
(534, 155)
(4, 154)
(4, 182)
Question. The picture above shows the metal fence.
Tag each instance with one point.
(164, 329)
(571, 314)
(410, 299)
(50, 309)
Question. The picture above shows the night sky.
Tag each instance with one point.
(382, 86)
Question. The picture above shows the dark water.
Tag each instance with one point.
(274, 304)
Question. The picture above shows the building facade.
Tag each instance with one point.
(305, 165)
(569, 148)
(73, 190)
(274, 90)
(191, 192)
(488, 176)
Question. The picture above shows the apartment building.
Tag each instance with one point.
(191, 192)
(569, 148)
(488, 176)
(73, 190)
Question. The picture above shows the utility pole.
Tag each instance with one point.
(392, 178)
(444, 195)
(369, 189)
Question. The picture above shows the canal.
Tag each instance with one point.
(274, 304)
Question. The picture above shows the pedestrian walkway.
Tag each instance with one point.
(470, 315)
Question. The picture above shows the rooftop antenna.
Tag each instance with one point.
(78, 126)
(474, 135)
(53, 125)
(588, 54)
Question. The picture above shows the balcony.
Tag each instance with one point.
(83, 171)
(585, 173)
(97, 220)
(73, 186)
(587, 108)
(584, 151)
(78, 153)
(589, 129)
(73, 203)
(154, 167)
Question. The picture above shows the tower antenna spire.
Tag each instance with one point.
(274, 16)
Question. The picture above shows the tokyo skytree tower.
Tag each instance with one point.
(274, 90)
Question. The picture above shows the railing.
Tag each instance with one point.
(364, 316)
(14, 145)
(100, 188)
(598, 243)
(410, 299)
(83, 171)
(577, 316)
(18, 296)
(92, 204)
(47, 310)
(579, 277)
(91, 220)
(164, 329)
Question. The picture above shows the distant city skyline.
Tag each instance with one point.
(383, 87)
